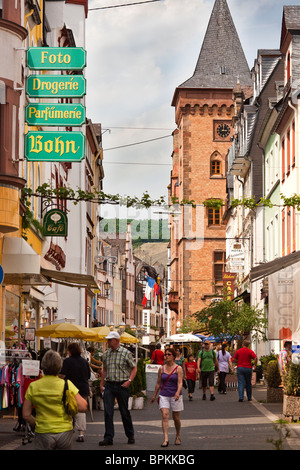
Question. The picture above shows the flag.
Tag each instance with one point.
(150, 285)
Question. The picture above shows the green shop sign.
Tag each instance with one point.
(56, 58)
(39, 114)
(50, 146)
(55, 86)
(55, 223)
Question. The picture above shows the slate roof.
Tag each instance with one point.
(290, 21)
(221, 48)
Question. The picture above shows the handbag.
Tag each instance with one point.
(69, 401)
(166, 381)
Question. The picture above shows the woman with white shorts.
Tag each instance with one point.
(169, 382)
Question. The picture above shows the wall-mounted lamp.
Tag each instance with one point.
(107, 287)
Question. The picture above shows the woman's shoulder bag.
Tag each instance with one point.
(69, 401)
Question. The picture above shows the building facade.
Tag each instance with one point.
(203, 113)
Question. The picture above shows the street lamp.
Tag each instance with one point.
(107, 287)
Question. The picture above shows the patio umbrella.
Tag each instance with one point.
(64, 330)
(102, 332)
(183, 338)
(99, 333)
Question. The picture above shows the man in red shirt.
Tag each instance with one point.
(158, 356)
(244, 357)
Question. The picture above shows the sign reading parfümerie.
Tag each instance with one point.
(55, 223)
(56, 58)
(51, 146)
(58, 114)
(56, 86)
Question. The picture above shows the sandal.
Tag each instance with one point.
(177, 441)
(165, 444)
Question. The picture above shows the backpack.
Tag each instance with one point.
(207, 352)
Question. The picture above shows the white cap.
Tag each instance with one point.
(113, 335)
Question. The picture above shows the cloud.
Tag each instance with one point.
(137, 56)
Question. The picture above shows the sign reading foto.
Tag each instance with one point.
(55, 86)
(56, 58)
(50, 146)
(55, 224)
(58, 114)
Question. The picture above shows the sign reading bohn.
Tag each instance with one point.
(56, 58)
(54, 146)
(56, 114)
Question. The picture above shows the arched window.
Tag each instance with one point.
(216, 164)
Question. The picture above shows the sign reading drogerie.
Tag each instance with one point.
(56, 58)
(55, 86)
(50, 146)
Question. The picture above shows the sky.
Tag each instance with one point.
(136, 57)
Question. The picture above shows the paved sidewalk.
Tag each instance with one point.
(223, 424)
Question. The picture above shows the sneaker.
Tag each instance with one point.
(204, 397)
(212, 398)
(105, 442)
(241, 400)
(131, 440)
(80, 439)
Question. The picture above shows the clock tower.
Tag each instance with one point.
(203, 114)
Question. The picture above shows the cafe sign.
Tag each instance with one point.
(228, 284)
(56, 58)
(55, 86)
(50, 146)
(58, 114)
(55, 223)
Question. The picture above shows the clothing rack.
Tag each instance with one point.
(11, 356)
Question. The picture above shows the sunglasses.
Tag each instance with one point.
(168, 354)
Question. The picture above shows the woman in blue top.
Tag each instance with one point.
(169, 382)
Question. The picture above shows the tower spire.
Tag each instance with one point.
(222, 61)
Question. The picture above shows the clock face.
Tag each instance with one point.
(223, 130)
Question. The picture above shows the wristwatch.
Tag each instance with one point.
(129, 380)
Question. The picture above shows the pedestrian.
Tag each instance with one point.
(53, 427)
(285, 357)
(190, 373)
(77, 369)
(95, 365)
(207, 364)
(158, 356)
(225, 366)
(179, 360)
(169, 382)
(244, 357)
(118, 372)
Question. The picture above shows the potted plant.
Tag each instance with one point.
(95, 385)
(138, 385)
(274, 383)
(291, 397)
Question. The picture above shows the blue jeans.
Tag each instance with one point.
(115, 390)
(244, 378)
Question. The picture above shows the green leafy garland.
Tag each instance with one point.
(46, 192)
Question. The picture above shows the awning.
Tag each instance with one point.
(70, 279)
(271, 267)
(20, 263)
